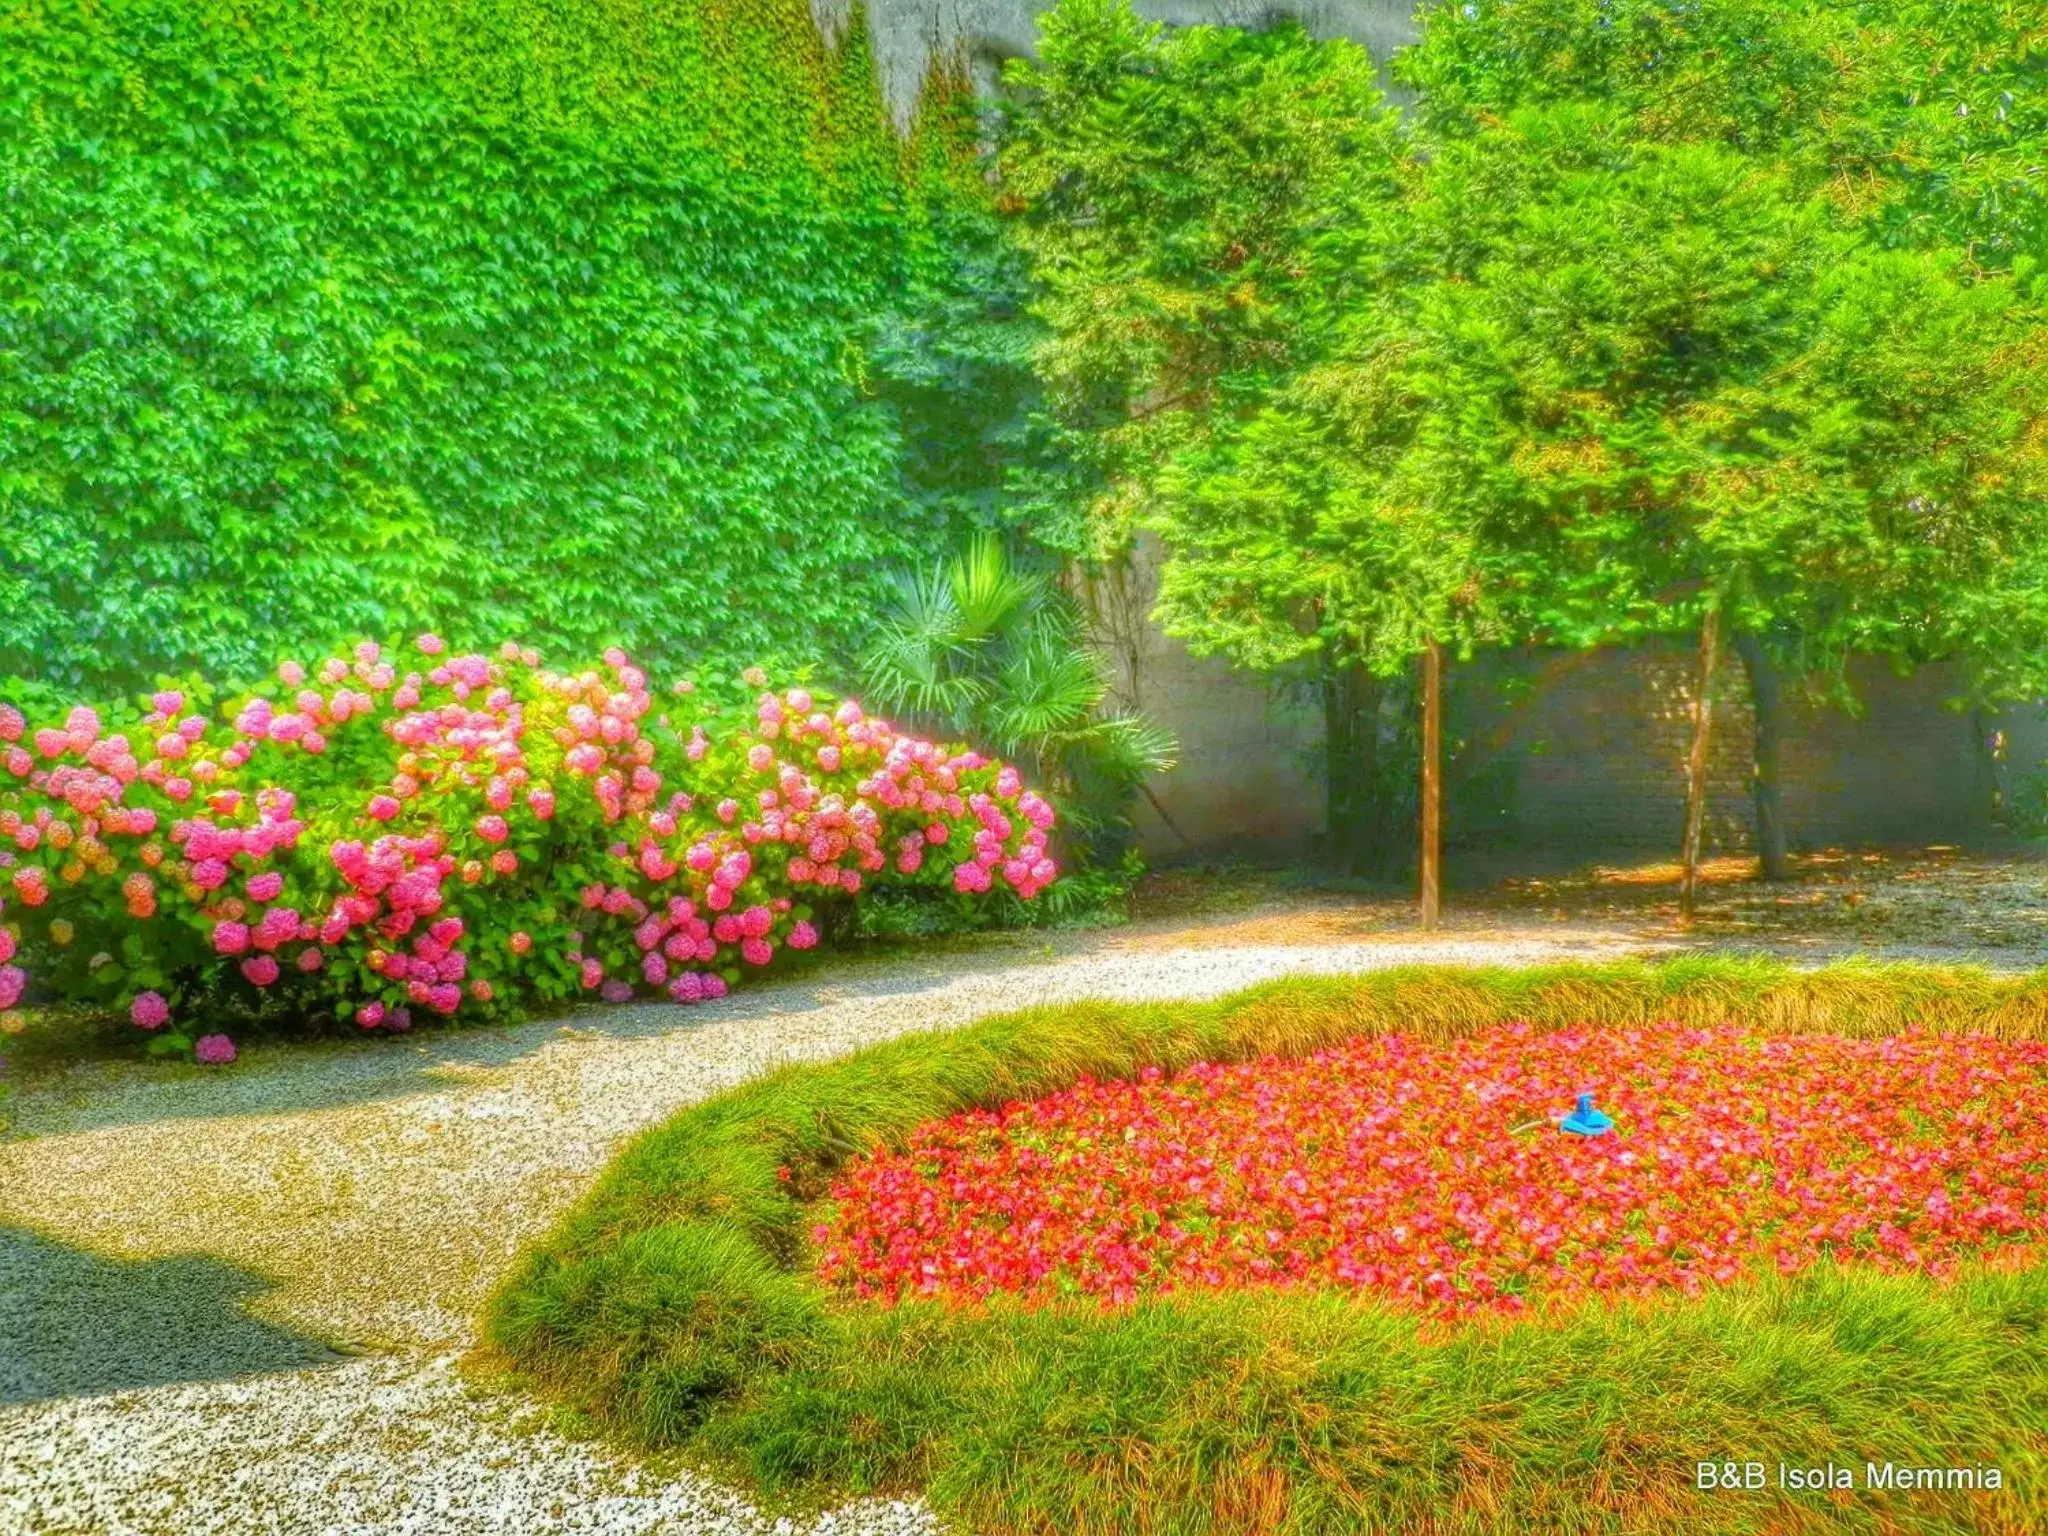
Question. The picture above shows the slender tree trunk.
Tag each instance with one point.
(1432, 781)
(1696, 767)
(1161, 812)
(1767, 704)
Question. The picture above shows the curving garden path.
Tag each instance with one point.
(234, 1301)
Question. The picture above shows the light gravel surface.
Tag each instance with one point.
(231, 1301)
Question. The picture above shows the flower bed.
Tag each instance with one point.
(367, 839)
(682, 1306)
(1434, 1172)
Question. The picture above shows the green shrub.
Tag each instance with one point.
(478, 834)
(985, 646)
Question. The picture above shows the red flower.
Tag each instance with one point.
(1433, 1174)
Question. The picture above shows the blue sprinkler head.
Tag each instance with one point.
(1586, 1120)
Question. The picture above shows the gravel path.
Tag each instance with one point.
(231, 1301)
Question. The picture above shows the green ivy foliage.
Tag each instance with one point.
(470, 315)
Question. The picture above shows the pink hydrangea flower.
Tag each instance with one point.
(213, 1050)
(149, 1010)
(476, 728)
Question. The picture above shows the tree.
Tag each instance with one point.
(1606, 341)
(1691, 398)
(1917, 122)
(1203, 208)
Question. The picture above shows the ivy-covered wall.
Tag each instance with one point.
(501, 318)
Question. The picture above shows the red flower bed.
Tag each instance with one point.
(1411, 1169)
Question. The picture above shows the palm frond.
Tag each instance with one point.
(1130, 748)
(1049, 687)
(901, 673)
(925, 605)
(988, 592)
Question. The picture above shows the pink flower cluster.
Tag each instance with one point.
(1435, 1175)
(476, 832)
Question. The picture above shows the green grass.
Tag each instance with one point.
(674, 1306)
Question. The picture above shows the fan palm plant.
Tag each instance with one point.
(980, 648)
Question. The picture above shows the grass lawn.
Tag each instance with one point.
(679, 1307)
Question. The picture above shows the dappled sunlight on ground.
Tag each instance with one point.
(1937, 901)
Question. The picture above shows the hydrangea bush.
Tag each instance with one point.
(379, 841)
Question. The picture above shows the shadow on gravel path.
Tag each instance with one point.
(73, 1324)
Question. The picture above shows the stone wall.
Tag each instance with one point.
(907, 32)
(1595, 753)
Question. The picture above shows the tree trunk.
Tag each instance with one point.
(1351, 744)
(1432, 781)
(1696, 767)
(1767, 703)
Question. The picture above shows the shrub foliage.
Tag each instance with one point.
(482, 832)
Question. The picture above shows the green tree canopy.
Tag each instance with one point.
(1666, 379)
(1645, 313)
(1923, 119)
(1177, 191)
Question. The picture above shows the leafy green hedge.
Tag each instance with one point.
(488, 318)
(675, 1306)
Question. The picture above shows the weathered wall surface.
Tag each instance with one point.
(906, 32)
(1595, 754)
(1250, 776)
(1587, 755)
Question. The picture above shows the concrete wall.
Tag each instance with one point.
(1595, 751)
(1580, 752)
(1249, 781)
(907, 32)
